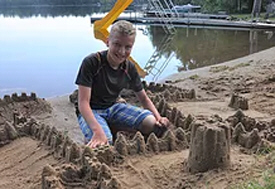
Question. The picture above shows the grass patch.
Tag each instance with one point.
(216, 69)
(239, 66)
(178, 80)
(241, 16)
(194, 77)
(247, 17)
(266, 181)
(267, 178)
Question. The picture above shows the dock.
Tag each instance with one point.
(193, 21)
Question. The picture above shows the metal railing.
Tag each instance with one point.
(165, 14)
(151, 66)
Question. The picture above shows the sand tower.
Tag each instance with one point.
(209, 147)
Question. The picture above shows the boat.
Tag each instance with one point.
(186, 8)
(185, 11)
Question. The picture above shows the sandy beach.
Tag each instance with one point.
(34, 155)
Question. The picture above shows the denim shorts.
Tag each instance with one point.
(124, 115)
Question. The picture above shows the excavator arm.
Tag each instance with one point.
(101, 26)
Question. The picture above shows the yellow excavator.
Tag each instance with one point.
(101, 26)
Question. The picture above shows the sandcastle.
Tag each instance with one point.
(238, 102)
(209, 147)
(208, 141)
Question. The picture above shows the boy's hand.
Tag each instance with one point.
(163, 122)
(161, 126)
(98, 139)
(120, 100)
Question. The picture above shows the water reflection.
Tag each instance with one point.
(196, 47)
(42, 53)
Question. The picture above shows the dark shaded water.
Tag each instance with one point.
(41, 49)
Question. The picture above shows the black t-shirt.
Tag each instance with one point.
(106, 82)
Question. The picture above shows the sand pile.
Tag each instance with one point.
(222, 118)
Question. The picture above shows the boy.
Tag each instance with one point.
(101, 78)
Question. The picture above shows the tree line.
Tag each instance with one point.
(14, 3)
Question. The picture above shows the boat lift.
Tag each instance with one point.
(101, 26)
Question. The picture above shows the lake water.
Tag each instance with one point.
(42, 54)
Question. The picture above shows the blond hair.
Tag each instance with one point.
(123, 27)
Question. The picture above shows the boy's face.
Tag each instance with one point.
(120, 47)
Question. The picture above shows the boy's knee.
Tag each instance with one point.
(148, 124)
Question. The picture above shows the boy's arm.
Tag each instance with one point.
(99, 137)
(148, 104)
